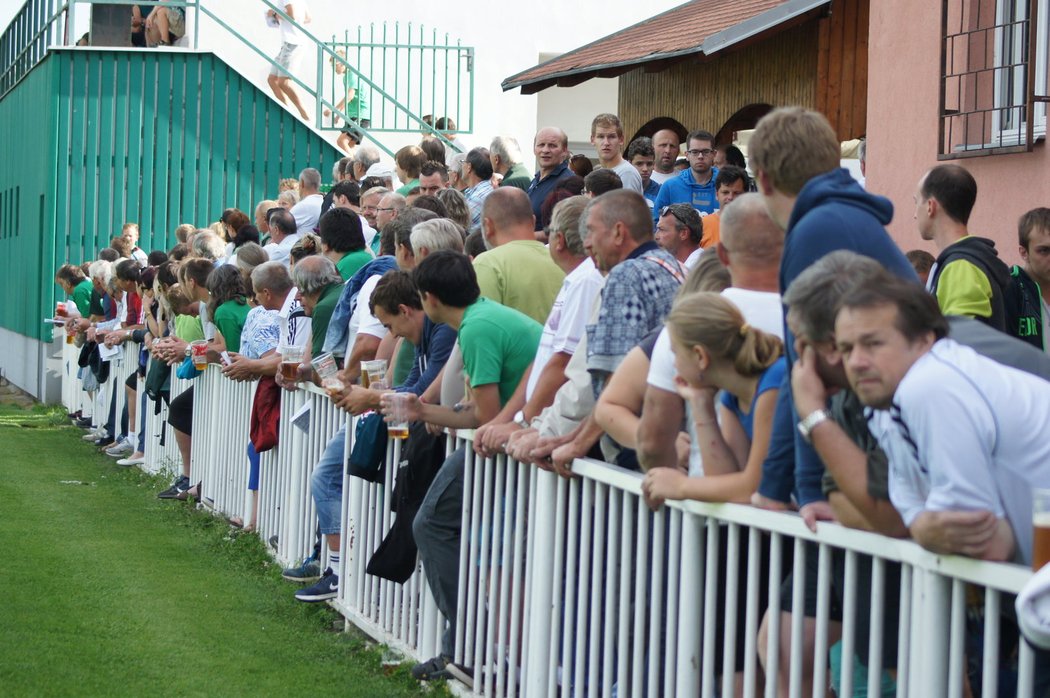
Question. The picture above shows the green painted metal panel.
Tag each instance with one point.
(96, 137)
(91, 71)
(107, 148)
(74, 238)
(166, 101)
(26, 229)
(136, 99)
(118, 158)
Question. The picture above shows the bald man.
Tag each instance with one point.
(551, 147)
(667, 145)
(517, 270)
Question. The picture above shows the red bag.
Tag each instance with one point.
(266, 415)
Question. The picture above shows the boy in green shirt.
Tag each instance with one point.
(498, 345)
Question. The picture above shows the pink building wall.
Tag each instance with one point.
(903, 99)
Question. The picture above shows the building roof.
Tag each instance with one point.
(697, 27)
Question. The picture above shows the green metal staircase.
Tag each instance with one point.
(97, 136)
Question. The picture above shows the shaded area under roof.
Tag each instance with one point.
(698, 27)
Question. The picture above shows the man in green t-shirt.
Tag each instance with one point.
(319, 286)
(343, 241)
(517, 270)
(498, 345)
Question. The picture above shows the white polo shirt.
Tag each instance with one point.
(567, 323)
(966, 433)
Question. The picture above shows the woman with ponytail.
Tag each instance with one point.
(716, 350)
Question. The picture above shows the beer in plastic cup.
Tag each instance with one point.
(328, 373)
(199, 352)
(397, 428)
(291, 357)
(69, 337)
(1041, 528)
(373, 373)
(60, 309)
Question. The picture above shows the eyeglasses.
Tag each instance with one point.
(386, 209)
(706, 152)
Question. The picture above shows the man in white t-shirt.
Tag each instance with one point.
(287, 59)
(565, 327)
(282, 236)
(750, 247)
(308, 211)
(607, 139)
(962, 433)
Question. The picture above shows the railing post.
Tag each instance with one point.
(544, 516)
(71, 28)
(197, 24)
(929, 661)
(318, 97)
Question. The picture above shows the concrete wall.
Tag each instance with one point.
(903, 102)
(32, 365)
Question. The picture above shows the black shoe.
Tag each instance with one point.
(83, 422)
(436, 668)
(180, 485)
(105, 442)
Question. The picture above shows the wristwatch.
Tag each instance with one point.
(519, 419)
(810, 422)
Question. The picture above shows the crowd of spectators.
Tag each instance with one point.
(743, 332)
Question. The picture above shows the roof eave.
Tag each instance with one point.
(761, 23)
(778, 18)
(592, 71)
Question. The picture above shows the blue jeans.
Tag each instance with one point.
(327, 484)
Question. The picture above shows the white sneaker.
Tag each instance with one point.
(121, 448)
(94, 434)
(132, 460)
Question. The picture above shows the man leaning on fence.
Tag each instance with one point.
(498, 345)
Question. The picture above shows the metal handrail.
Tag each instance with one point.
(12, 70)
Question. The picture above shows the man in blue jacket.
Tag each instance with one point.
(794, 154)
(694, 186)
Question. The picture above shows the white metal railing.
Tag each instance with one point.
(403, 616)
(574, 587)
(219, 458)
(162, 453)
(284, 503)
(74, 398)
(289, 506)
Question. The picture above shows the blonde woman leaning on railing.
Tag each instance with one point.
(716, 350)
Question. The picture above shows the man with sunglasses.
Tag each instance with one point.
(679, 230)
(696, 185)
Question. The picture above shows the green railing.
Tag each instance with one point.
(426, 71)
(393, 70)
